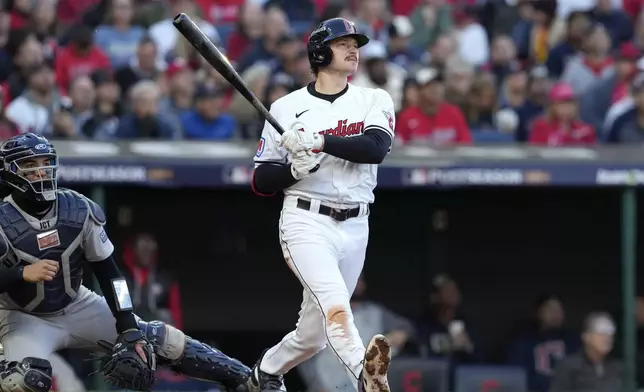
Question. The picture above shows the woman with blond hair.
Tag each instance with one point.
(561, 126)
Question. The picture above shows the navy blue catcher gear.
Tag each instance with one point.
(320, 54)
(35, 182)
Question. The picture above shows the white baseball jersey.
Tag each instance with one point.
(357, 110)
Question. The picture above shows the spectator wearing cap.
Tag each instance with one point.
(145, 121)
(430, 19)
(399, 46)
(629, 126)
(584, 70)
(544, 343)
(206, 121)
(433, 120)
(181, 84)
(503, 58)
(472, 38)
(577, 28)
(119, 38)
(616, 21)
(560, 126)
(591, 369)
(595, 104)
(165, 36)
(378, 72)
(34, 109)
(80, 57)
(143, 67)
(443, 330)
(264, 49)
(107, 109)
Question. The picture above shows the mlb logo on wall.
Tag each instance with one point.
(260, 147)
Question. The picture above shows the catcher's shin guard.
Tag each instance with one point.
(194, 359)
(206, 363)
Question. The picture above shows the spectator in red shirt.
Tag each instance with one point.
(249, 29)
(80, 57)
(432, 120)
(19, 11)
(561, 126)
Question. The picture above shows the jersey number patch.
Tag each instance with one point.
(260, 147)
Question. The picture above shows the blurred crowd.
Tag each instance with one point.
(544, 72)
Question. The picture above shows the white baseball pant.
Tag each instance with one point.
(327, 257)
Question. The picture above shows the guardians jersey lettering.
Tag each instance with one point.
(355, 112)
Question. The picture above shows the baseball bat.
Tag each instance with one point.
(189, 29)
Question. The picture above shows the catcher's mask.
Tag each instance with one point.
(30, 166)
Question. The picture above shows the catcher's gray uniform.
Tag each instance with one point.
(28, 331)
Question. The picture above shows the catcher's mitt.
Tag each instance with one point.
(124, 367)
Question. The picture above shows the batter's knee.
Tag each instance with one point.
(29, 375)
(168, 341)
(311, 340)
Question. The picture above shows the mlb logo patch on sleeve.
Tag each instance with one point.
(103, 236)
(260, 147)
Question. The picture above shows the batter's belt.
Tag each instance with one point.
(336, 214)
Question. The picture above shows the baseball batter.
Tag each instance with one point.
(326, 164)
(47, 235)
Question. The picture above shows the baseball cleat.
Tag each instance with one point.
(260, 381)
(376, 365)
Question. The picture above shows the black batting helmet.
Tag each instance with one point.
(20, 171)
(320, 53)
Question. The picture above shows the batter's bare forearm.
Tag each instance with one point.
(369, 148)
(270, 178)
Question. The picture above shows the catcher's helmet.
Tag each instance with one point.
(35, 181)
(320, 53)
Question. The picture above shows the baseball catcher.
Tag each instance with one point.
(47, 236)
